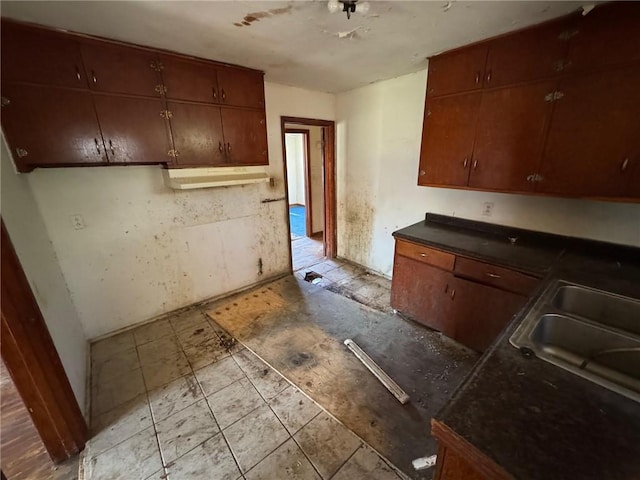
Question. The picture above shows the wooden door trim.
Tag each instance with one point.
(34, 365)
(329, 173)
(307, 177)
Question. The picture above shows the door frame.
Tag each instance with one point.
(33, 362)
(329, 170)
(306, 135)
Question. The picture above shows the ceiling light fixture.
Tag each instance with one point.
(348, 6)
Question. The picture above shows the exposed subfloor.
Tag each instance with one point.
(177, 397)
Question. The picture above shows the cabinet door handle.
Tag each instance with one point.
(475, 164)
(220, 147)
(466, 162)
(97, 145)
(78, 76)
(113, 151)
(489, 76)
(224, 95)
(215, 93)
(493, 275)
(423, 255)
(624, 165)
(93, 77)
(477, 78)
(453, 293)
(228, 147)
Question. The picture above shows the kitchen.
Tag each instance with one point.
(142, 250)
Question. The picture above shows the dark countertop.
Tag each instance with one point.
(532, 252)
(536, 420)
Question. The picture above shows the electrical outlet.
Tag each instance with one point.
(487, 209)
(77, 221)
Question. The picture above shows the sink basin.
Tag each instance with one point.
(602, 307)
(589, 332)
(590, 348)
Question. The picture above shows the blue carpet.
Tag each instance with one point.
(298, 219)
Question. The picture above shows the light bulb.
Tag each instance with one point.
(363, 7)
(333, 6)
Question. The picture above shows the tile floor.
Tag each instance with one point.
(179, 399)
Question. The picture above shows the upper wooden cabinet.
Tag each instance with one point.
(51, 126)
(554, 112)
(594, 138)
(532, 54)
(245, 136)
(241, 88)
(119, 69)
(133, 129)
(607, 36)
(104, 102)
(447, 139)
(197, 134)
(40, 56)
(458, 71)
(511, 125)
(191, 80)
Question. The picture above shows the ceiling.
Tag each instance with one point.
(297, 43)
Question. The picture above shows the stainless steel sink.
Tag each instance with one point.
(599, 306)
(589, 332)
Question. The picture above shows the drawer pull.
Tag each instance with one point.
(493, 275)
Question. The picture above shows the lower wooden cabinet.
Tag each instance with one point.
(421, 292)
(470, 310)
(480, 312)
(51, 126)
(459, 460)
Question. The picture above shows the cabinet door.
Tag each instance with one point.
(594, 129)
(510, 137)
(118, 69)
(245, 134)
(422, 292)
(37, 56)
(50, 126)
(197, 134)
(133, 130)
(607, 36)
(532, 54)
(190, 80)
(242, 88)
(447, 139)
(478, 327)
(455, 72)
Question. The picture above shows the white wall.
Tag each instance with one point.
(379, 132)
(40, 264)
(294, 143)
(147, 249)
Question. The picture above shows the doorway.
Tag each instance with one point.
(309, 163)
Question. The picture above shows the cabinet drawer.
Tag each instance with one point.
(496, 276)
(424, 254)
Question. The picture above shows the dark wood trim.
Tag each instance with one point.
(33, 362)
(451, 440)
(329, 165)
(307, 178)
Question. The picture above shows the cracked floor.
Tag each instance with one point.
(181, 398)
